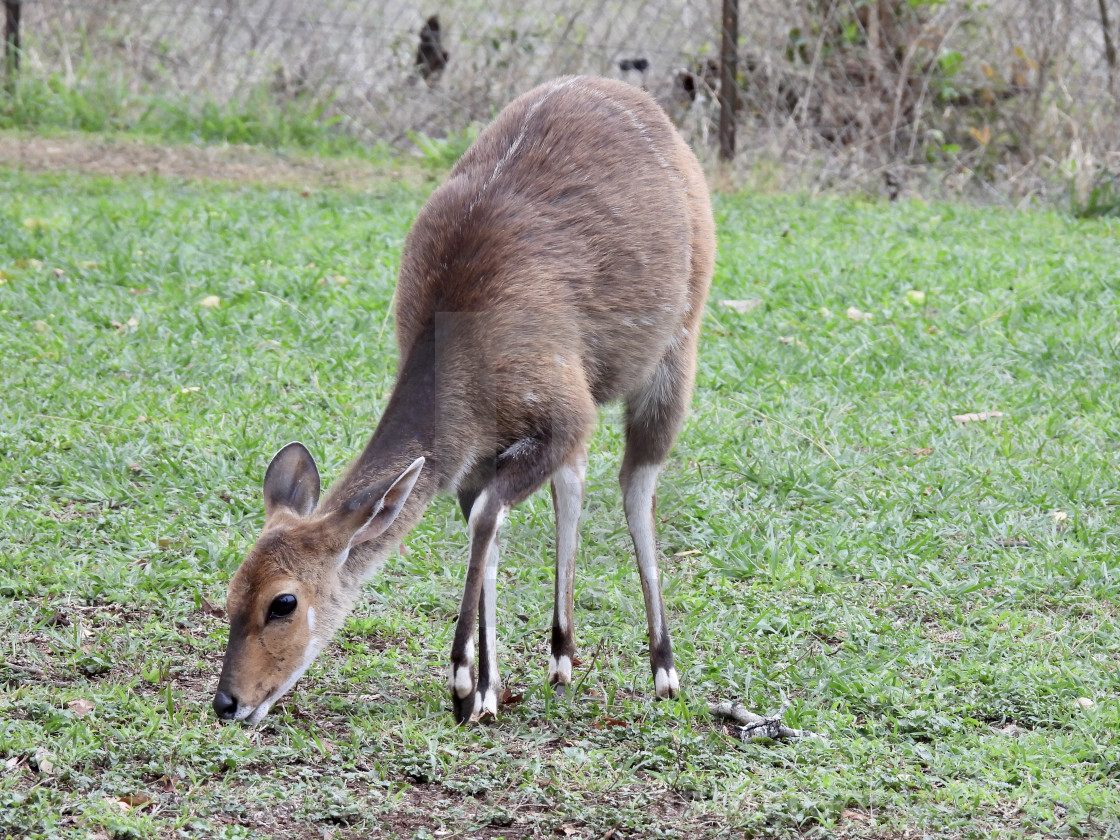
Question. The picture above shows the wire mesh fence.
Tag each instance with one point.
(1007, 89)
(386, 68)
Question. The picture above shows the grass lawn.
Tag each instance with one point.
(932, 596)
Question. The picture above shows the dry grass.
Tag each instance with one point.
(97, 155)
(1011, 99)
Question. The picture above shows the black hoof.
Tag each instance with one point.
(462, 708)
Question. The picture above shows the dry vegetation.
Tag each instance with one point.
(1014, 96)
(246, 164)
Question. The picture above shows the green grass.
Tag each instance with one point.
(101, 103)
(904, 580)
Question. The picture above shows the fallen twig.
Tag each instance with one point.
(753, 726)
(28, 669)
(590, 668)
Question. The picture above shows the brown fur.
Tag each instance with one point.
(564, 264)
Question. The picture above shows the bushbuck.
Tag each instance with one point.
(564, 264)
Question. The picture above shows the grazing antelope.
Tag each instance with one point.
(564, 264)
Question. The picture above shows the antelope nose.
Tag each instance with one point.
(225, 706)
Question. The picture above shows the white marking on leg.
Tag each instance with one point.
(462, 684)
(638, 503)
(459, 673)
(490, 616)
(487, 704)
(666, 683)
(489, 600)
(476, 511)
(560, 670)
(476, 713)
(568, 483)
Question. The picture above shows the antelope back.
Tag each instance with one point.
(579, 223)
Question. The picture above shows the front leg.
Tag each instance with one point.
(519, 470)
(468, 700)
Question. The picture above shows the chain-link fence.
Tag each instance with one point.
(1003, 89)
(387, 67)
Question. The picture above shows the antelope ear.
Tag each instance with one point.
(291, 482)
(370, 513)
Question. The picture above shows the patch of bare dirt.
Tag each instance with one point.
(96, 155)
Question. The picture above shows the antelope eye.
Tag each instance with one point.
(282, 605)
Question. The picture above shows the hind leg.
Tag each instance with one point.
(567, 502)
(654, 415)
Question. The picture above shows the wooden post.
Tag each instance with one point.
(1109, 45)
(11, 40)
(728, 90)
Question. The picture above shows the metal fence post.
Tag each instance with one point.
(11, 40)
(728, 91)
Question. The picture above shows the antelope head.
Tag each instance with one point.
(298, 582)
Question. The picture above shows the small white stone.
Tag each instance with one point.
(1084, 702)
(742, 306)
(855, 314)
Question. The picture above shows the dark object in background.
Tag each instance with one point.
(431, 57)
(640, 65)
(893, 185)
(11, 41)
(701, 78)
(728, 79)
